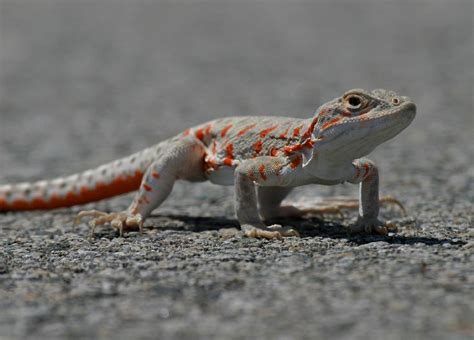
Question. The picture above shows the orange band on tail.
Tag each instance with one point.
(118, 186)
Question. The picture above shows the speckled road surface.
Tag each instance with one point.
(83, 83)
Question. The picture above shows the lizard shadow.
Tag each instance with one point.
(307, 227)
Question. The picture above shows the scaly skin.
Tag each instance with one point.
(264, 157)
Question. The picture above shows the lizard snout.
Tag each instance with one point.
(409, 110)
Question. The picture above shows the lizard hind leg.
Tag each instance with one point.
(182, 159)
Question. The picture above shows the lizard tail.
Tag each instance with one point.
(112, 179)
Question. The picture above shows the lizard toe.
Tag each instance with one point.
(284, 231)
(122, 221)
(260, 233)
(272, 232)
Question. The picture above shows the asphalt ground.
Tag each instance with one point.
(86, 82)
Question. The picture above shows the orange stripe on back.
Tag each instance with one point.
(225, 130)
(230, 155)
(258, 147)
(199, 134)
(245, 130)
(296, 131)
(308, 132)
(283, 135)
(265, 132)
(289, 149)
(261, 170)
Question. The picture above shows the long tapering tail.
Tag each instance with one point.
(115, 178)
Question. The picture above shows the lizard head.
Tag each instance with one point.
(352, 125)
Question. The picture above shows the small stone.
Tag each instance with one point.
(3, 266)
(228, 233)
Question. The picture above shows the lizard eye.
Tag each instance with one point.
(354, 102)
(395, 101)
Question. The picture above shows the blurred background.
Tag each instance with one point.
(84, 82)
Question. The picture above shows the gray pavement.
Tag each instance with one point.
(85, 82)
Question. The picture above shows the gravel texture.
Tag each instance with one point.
(85, 82)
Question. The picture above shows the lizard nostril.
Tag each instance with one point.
(396, 101)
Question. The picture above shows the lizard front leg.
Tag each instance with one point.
(182, 159)
(366, 173)
(260, 171)
(363, 171)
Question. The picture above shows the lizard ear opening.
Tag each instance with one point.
(307, 154)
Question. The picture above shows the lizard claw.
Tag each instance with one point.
(373, 227)
(122, 221)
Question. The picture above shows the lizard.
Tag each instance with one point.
(264, 157)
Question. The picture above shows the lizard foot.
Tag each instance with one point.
(373, 226)
(336, 204)
(122, 221)
(275, 231)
